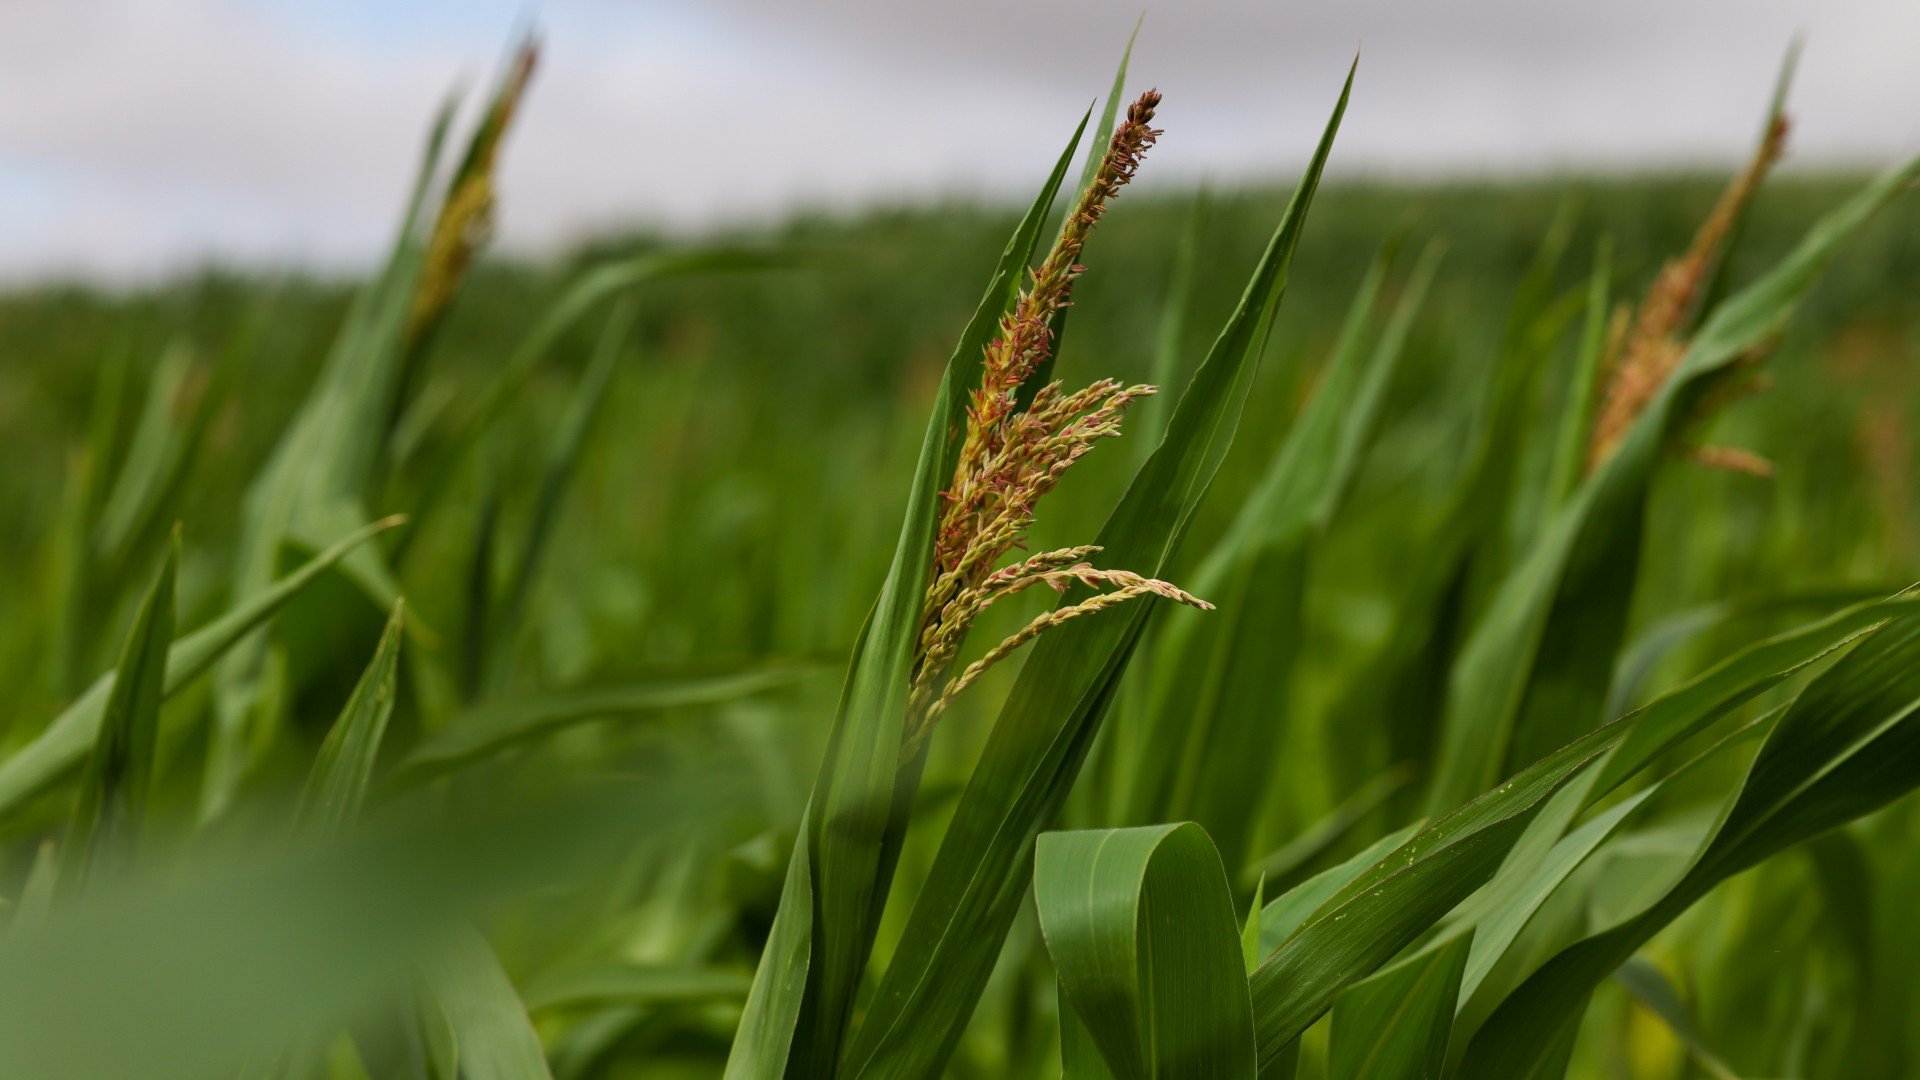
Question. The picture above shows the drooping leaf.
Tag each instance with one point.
(1141, 928)
(1371, 915)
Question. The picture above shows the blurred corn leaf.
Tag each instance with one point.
(44, 761)
(112, 808)
(494, 1038)
(634, 984)
(344, 766)
(563, 457)
(493, 727)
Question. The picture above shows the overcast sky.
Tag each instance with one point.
(143, 136)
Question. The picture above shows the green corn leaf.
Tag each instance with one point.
(1511, 901)
(1544, 857)
(1159, 781)
(1776, 112)
(494, 727)
(1575, 426)
(563, 458)
(317, 478)
(1287, 912)
(1036, 748)
(476, 632)
(1316, 840)
(1250, 929)
(1394, 1024)
(1650, 987)
(1390, 904)
(320, 476)
(1079, 1057)
(1749, 616)
(1849, 744)
(48, 758)
(763, 1043)
(37, 893)
(495, 1039)
(112, 808)
(1223, 676)
(1150, 425)
(618, 983)
(442, 1046)
(338, 783)
(171, 423)
(1367, 916)
(1141, 928)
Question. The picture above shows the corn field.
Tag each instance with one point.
(1351, 631)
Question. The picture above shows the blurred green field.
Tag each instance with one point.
(766, 421)
(700, 542)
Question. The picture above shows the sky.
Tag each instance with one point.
(140, 138)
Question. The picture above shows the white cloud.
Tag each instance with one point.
(142, 135)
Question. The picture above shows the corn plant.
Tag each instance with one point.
(1361, 736)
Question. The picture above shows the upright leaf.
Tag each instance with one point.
(338, 784)
(1225, 680)
(112, 808)
(563, 457)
